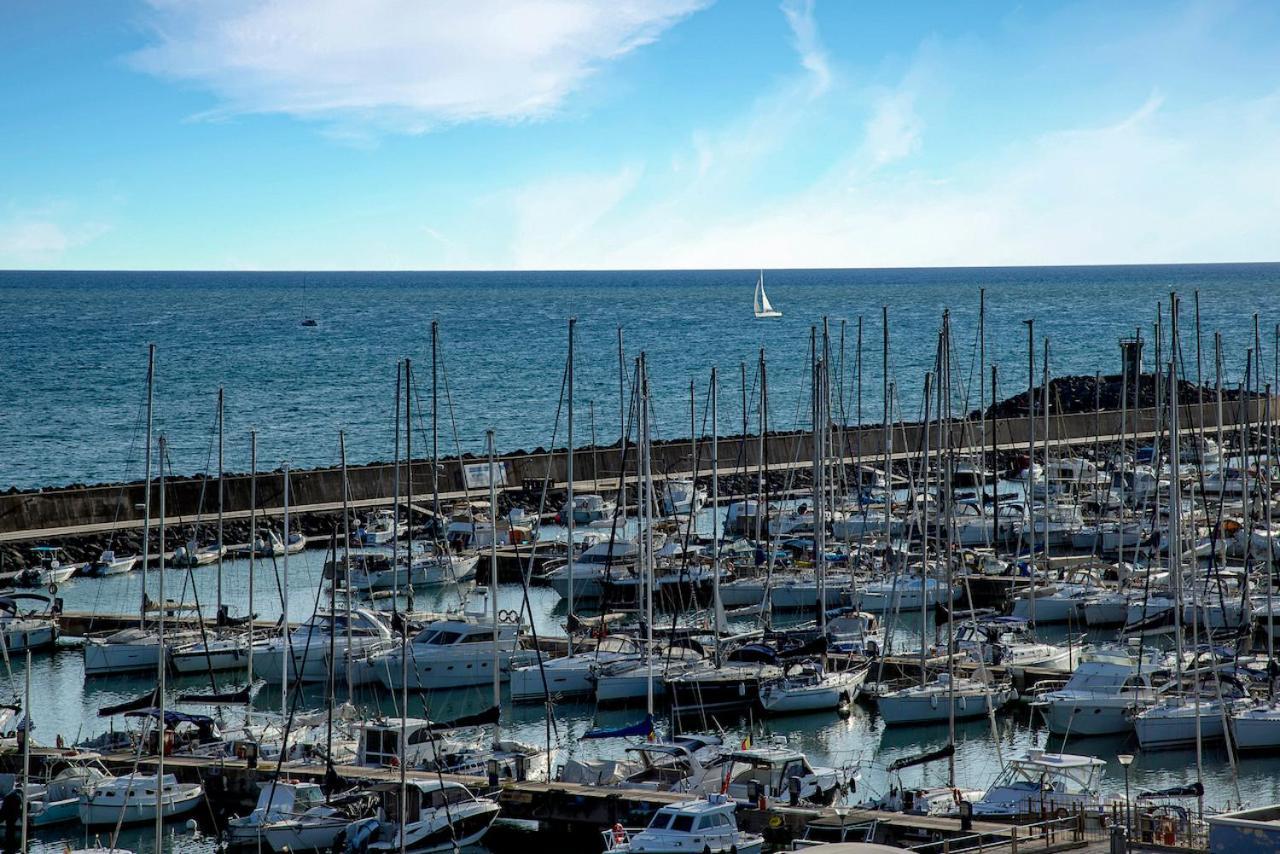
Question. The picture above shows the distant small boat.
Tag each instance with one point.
(762, 305)
(307, 319)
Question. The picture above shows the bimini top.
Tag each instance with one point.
(1057, 760)
(711, 804)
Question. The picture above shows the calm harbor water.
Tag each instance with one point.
(74, 349)
(65, 702)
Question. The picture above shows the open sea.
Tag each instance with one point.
(72, 371)
(73, 350)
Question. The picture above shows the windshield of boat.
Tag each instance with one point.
(1034, 777)
(449, 795)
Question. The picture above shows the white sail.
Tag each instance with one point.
(763, 307)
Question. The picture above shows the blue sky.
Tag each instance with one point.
(564, 134)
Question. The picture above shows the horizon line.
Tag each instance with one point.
(511, 270)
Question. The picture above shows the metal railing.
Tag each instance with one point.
(1048, 835)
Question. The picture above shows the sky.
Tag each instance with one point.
(636, 134)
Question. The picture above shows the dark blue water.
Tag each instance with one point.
(73, 349)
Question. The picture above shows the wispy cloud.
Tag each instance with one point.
(36, 238)
(405, 65)
(804, 32)
(554, 217)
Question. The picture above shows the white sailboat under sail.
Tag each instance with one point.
(762, 305)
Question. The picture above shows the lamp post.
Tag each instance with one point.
(1125, 760)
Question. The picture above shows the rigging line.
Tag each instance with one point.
(525, 605)
(296, 688)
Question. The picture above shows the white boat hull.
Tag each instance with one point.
(94, 813)
(833, 691)
(932, 708)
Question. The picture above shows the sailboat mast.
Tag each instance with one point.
(161, 661)
(569, 508)
(886, 389)
(253, 537)
(1271, 554)
(408, 584)
(26, 751)
(286, 659)
(948, 492)
(221, 496)
(395, 496)
(622, 405)
(408, 487)
(493, 578)
(646, 473)
(715, 515)
(146, 492)
(819, 491)
(333, 683)
(1175, 521)
(1031, 463)
(924, 523)
(761, 508)
(438, 523)
(346, 549)
(858, 404)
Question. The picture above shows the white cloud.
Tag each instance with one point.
(1199, 183)
(35, 238)
(804, 30)
(398, 64)
(894, 130)
(554, 217)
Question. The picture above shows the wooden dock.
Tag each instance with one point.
(578, 811)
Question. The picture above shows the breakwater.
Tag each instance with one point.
(65, 512)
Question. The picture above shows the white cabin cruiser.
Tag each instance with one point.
(277, 801)
(109, 563)
(1102, 696)
(706, 826)
(382, 527)
(1009, 641)
(439, 816)
(571, 675)
(353, 635)
(681, 496)
(1040, 783)
(136, 798)
(454, 653)
(593, 567)
(31, 628)
(769, 771)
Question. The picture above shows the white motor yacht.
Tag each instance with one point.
(1040, 783)
(32, 628)
(707, 826)
(1108, 688)
(137, 798)
(353, 636)
(571, 675)
(454, 653)
(440, 815)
